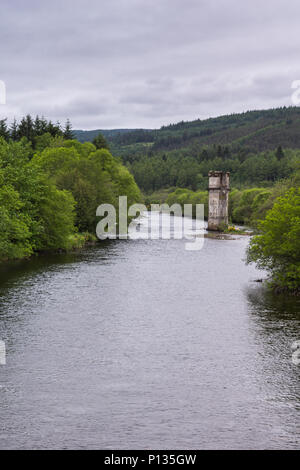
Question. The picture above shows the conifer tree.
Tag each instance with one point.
(14, 130)
(4, 132)
(26, 128)
(68, 134)
(100, 142)
(38, 130)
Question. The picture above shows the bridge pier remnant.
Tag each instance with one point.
(219, 187)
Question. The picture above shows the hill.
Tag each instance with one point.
(88, 136)
(257, 147)
(257, 130)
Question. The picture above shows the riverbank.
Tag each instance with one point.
(76, 242)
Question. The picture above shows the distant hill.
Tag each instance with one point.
(88, 136)
(256, 147)
(254, 130)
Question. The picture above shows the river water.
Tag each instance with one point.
(141, 344)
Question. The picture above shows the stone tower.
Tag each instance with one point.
(218, 200)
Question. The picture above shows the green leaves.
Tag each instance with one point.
(277, 246)
(100, 142)
(46, 200)
(34, 214)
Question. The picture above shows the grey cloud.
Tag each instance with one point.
(139, 63)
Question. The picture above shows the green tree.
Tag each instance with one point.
(280, 153)
(56, 211)
(100, 142)
(26, 128)
(244, 209)
(4, 132)
(34, 214)
(14, 224)
(14, 130)
(92, 176)
(68, 133)
(277, 246)
(43, 141)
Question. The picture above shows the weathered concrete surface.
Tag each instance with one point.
(219, 187)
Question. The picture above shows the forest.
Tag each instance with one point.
(50, 188)
(257, 147)
(51, 184)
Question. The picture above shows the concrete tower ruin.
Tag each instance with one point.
(219, 187)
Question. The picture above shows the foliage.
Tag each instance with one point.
(256, 131)
(257, 147)
(34, 129)
(181, 169)
(184, 196)
(35, 215)
(246, 207)
(68, 133)
(249, 201)
(92, 176)
(47, 199)
(100, 142)
(277, 246)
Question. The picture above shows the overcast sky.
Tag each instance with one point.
(145, 63)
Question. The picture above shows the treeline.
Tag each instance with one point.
(257, 147)
(236, 118)
(256, 130)
(49, 197)
(134, 136)
(33, 128)
(177, 169)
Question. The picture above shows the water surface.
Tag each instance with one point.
(142, 344)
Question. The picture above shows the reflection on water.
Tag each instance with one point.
(277, 326)
(142, 344)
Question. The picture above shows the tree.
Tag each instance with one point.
(38, 126)
(34, 214)
(277, 247)
(280, 153)
(68, 134)
(220, 151)
(26, 128)
(244, 208)
(4, 132)
(57, 215)
(53, 129)
(93, 177)
(100, 142)
(14, 130)
(43, 141)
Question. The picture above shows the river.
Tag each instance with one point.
(141, 344)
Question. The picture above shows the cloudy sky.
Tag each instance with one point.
(145, 63)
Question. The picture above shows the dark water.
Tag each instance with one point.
(141, 344)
